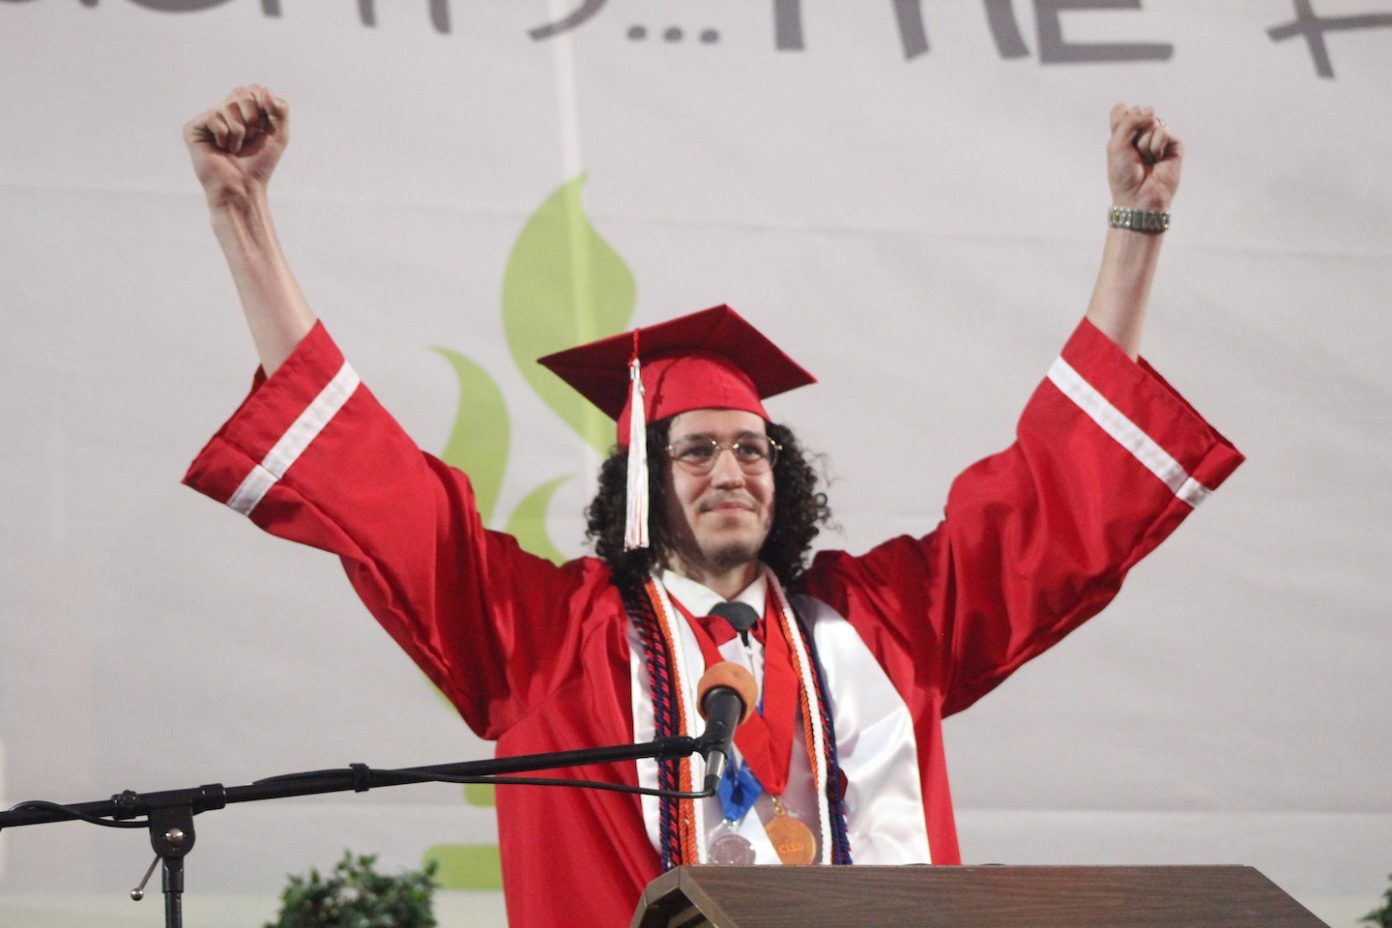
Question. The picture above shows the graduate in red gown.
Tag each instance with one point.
(702, 526)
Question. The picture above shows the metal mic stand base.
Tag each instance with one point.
(173, 880)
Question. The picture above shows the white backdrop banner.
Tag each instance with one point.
(909, 197)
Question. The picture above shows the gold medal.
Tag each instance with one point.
(794, 841)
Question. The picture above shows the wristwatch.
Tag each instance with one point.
(1138, 220)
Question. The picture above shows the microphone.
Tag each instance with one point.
(725, 697)
(741, 617)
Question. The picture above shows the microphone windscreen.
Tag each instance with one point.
(732, 675)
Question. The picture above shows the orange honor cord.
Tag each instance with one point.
(811, 710)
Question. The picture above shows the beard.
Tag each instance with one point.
(711, 544)
(728, 556)
(714, 558)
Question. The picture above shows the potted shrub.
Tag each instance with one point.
(1381, 918)
(355, 895)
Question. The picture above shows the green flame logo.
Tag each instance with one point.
(564, 286)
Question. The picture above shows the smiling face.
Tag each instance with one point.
(717, 521)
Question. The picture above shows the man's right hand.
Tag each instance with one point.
(235, 147)
(236, 144)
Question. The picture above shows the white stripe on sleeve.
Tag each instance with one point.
(1127, 433)
(295, 440)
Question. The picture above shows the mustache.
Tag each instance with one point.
(743, 500)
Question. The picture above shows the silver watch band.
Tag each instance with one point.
(1138, 220)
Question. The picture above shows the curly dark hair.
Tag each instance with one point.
(800, 510)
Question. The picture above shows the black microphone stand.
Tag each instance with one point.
(168, 815)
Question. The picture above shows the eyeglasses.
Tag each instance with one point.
(697, 454)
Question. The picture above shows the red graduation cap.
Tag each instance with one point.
(712, 359)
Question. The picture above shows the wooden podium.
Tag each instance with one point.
(968, 897)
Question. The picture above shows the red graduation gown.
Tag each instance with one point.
(1107, 461)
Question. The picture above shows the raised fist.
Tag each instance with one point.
(1143, 159)
(236, 144)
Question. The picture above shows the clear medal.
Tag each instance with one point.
(729, 849)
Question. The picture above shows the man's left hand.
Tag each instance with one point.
(1143, 159)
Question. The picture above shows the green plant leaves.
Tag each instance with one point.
(564, 285)
(355, 895)
(1381, 917)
